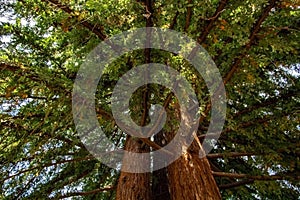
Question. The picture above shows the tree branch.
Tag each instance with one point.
(257, 177)
(255, 29)
(174, 20)
(86, 24)
(239, 154)
(9, 67)
(268, 102)
(188, 16)
(231, 154)
(235, 184)
(147, 53)
(212, 20)
(109, 188)
(208, 28)
(243, 125)
(33, 76)
(69, 181)
(48, 165)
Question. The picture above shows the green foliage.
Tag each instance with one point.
(42, 46)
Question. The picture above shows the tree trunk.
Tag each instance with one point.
(134, 186)
(190, 177)
(160, 184)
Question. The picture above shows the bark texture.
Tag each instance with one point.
(134, 186)
(190, 178)
(160, 184)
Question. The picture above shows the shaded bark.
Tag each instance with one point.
(160, 184)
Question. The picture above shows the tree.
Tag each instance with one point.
(255, 45)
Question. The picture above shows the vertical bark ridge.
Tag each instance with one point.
(134, 186)
(191, 178)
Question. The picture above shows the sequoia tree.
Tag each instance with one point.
(255, 46)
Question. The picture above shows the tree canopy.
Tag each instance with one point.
(255, 45)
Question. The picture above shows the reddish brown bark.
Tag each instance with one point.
(134, 186)
(190, 178)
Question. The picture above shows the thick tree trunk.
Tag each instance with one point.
(134, 186)
(190, 177)
(160, 184)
